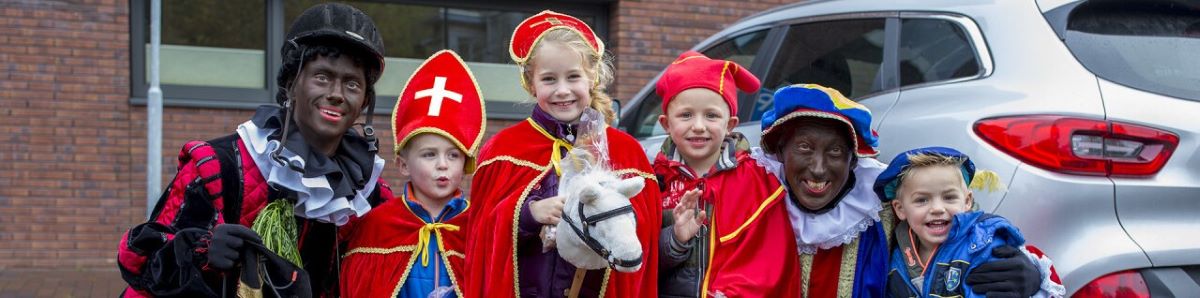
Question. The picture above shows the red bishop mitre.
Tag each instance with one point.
(442, 97)
(694, 70)
(531, 30)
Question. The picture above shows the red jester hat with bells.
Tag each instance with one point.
(530, 32)
(443, 98)
(694, 70)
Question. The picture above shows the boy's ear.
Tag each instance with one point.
(403, 165)
(733, 122)
(898, 208)
(970, 199)
(662, 120)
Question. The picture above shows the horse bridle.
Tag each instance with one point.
(586, 235)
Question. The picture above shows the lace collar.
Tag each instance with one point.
(329, 189)
(856, 211)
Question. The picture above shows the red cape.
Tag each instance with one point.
(750, 253)
(512, 162)
(381, 250)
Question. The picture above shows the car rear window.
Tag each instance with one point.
(1147, 45)
(933, 50)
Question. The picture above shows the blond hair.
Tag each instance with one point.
(598, 66)
(925, 160)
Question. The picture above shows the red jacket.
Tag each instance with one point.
(151, 261)
(747, 247)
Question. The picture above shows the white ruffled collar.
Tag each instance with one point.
(314, 195)
(839, 226)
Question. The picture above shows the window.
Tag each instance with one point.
(413, 32)
(934, 50)
(224, 53)
(211, 45)
(1148, 45)
(845, 55)
(742, 49)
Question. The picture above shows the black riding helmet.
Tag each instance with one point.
(346, 26)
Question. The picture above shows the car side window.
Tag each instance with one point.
(742, 49)
(845, 55)
(934, 50)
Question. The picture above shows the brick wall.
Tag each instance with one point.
(65, 159)
(649, 34)
(72, 157)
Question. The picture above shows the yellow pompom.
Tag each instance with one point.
(986, 180)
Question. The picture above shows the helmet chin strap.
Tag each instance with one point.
(275, 154)
(369, 131)
(288, 109)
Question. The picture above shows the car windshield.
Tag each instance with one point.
(1151, 46)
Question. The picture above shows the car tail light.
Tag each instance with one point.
(1080, 146)
(1122, 284)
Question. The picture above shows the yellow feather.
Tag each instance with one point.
(986, 180)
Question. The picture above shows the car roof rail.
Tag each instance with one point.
(783, 7)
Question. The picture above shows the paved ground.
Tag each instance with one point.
(60, 283)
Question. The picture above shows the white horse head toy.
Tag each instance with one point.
(598, 227)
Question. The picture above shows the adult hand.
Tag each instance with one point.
(687, 221)
(227, 242)
(547, 211)
(1011, 275)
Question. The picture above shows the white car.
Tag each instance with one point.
(1089, 111)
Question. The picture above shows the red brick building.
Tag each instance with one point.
(72, 89)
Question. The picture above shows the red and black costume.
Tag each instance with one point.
(266, 166)
(226, 184)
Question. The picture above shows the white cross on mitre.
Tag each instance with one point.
(437, 94)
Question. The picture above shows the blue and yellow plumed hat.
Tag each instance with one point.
(811, 100)
(889, 181)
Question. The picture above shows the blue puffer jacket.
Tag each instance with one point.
(972, 237)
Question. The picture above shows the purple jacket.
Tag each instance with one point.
(545, 274)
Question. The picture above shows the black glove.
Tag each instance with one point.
(147, 238)
(263, 269)
(225, 250)
(1012, 275)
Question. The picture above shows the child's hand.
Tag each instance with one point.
(687, 222)
(548, 211)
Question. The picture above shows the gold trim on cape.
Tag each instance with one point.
(381, 250)
(515, 161)
(849, 262)
(712, 240)
(635, 171)
(514, 227)
(770, 199)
